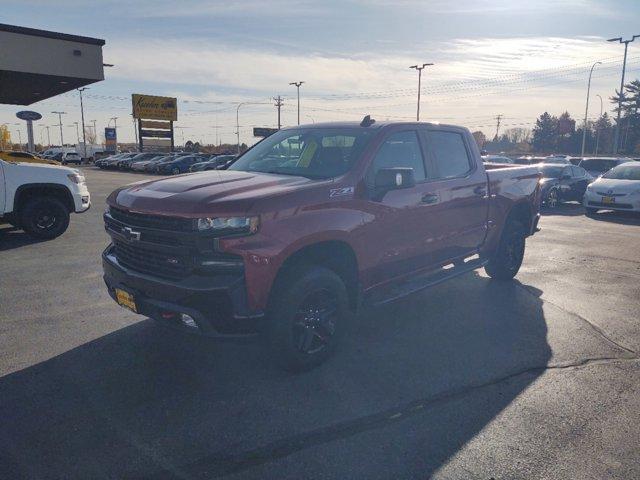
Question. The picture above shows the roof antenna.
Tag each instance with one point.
(367, 121)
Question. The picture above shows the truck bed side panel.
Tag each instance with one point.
(510, 187)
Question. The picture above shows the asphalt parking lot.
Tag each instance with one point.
(537, 378)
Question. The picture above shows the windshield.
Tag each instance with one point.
(309, 152)
(551, 171)
(598, 165)
(624, 172)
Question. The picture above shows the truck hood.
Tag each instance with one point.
(43, 170)
(205, 193)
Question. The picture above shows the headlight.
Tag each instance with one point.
(76, 178)
(248, 225)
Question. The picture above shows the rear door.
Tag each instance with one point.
(458, 190)
(580, 181)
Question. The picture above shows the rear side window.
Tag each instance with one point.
(401, 149)
(449, 154)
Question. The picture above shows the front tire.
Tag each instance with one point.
(44, 217)
(506, 262)
(307, 317)
(175, 171)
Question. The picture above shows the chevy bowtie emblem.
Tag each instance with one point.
(130, 234)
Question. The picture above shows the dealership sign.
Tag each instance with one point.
(110, 139)
(28, 115)
(151, 107)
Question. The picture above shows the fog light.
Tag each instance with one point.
(188, 321)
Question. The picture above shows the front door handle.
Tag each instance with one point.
(430, 198)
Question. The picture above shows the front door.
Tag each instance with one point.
(395, 231)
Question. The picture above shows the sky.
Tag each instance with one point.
(491, 57)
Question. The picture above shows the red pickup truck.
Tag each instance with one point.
(298, 232)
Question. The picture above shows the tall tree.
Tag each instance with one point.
(480, 138)
(545, 133)
(5, 137)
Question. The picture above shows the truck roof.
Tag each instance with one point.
(356, 124)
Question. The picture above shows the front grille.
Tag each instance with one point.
(152, 221)
(152, 262)
(605, 194)
(610, 205)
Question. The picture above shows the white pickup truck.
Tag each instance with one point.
(39, 198)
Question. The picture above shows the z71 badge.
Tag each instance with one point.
(341, 192)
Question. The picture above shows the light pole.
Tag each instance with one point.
(77, 130)
(60, 125)
(84, 134)
(598, 127)
(297, 84)
(419, 69)
(586, 109)
(19, 136)
(616, 136)
(48, 134)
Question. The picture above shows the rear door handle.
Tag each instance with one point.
(430, 198)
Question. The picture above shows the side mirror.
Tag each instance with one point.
(388, 179)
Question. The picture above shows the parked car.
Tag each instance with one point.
(497, 159)
(531, 160)
(140, 166)
(112, 162)
(311, 223)
(561, 183)
(125, 163)
(25, 157)
(596, 166)
(617, 189)
(39, 198)
(177, 165)
(212, 164)
(70, 157)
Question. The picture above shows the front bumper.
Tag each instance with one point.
(622, 203)
(216, 303)
(81, 198)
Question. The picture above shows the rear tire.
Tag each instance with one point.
(590, 212)
(307, 318)
(175, 171)
(552, 199)
(44, 217)
(508, 258)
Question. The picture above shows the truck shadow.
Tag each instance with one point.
(143, 402)
(11, 237)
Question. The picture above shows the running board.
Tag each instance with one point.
(426, 280)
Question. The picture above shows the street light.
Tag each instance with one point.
(60, 125)
(77, 130)
(48, 134)
(586, 109)
(616, 136)
(419, 69)
(297, 84)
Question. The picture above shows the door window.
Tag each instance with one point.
(449, 154)
(400, 149)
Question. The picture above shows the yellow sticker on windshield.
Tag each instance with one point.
(308, 153)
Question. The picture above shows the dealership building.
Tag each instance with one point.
(39, 64)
